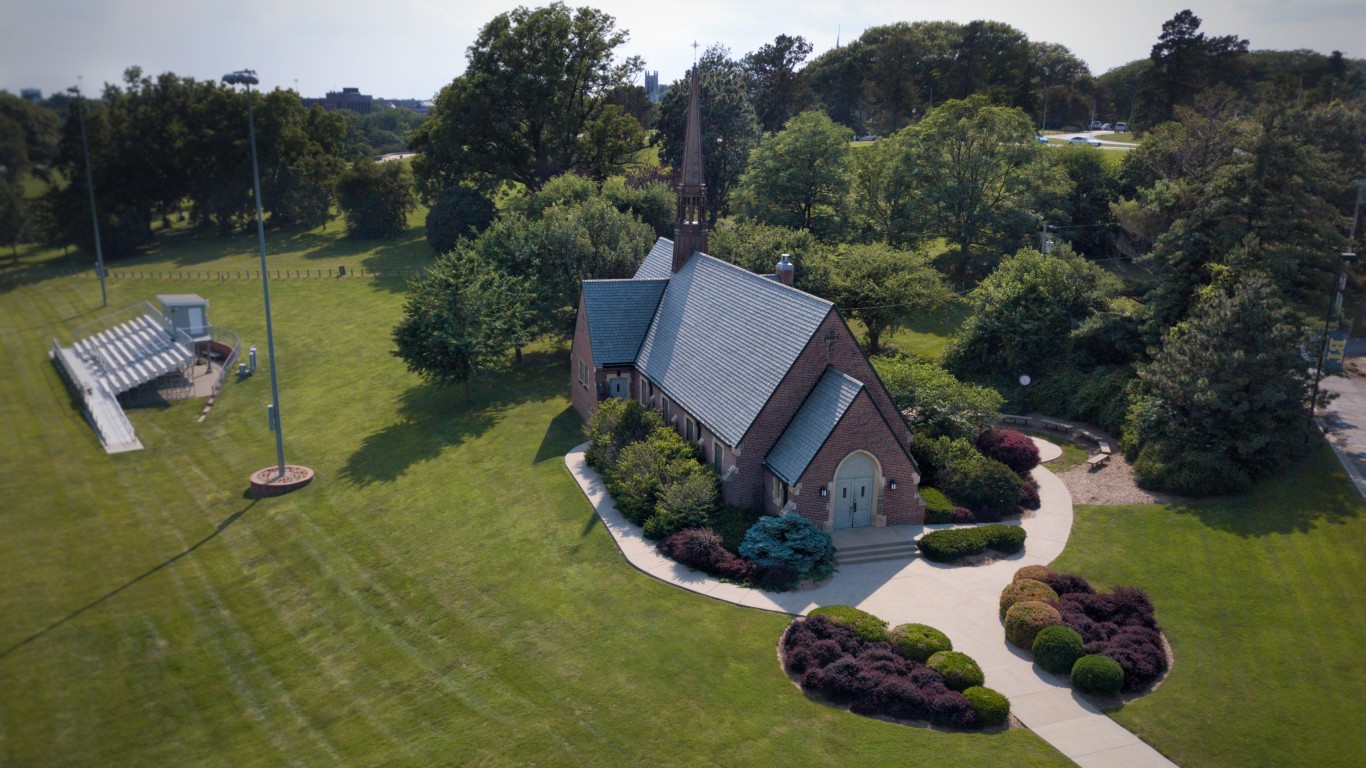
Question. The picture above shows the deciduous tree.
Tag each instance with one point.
(376, 198)
(798, 177)
(883, 288)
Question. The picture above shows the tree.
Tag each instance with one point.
(1064, 83)
(1185, 62)
(777, 90)
(1224, 400)
(458, 212)
(1023, 313)
(609, 142)
(836, 81)
(729, 126)
(651, 201)
(1093, 185)
(28, 136)
(376, 198)
(535, 79)
(798, 177)
(883, 288)
(981, 178)
(936, 403)
(11, 215)
(881, 192)
(993, 59)
(461, 318)
(757, 247)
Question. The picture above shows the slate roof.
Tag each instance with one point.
(814, 422)
(724, 338)
(619, 313)
(659, 262)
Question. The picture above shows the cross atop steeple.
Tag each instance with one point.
(690, 218)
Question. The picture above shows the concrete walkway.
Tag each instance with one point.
(959, 600)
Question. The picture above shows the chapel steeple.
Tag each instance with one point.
(690, 218)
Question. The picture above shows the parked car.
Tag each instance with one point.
(1041, 139)
(1121, 127)
(1084, 140)
(1106, 127)
(1096, 124)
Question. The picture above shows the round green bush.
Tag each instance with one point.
(1035, 572)
(1099, 675)
(959, 670)
(919, 642)
(992, 707)
(868, 626)
(1026, 589)
(1057, 648)
(1024, 622)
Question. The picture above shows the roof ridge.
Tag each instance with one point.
(762, 280)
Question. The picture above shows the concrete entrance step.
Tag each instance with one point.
(873, 553)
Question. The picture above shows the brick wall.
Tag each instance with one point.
(862, 428)
(585, 400)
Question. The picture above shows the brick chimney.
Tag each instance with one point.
(784, 270)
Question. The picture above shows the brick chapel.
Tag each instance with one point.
(766, 380)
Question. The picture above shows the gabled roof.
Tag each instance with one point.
(814, 422)
(619, 313)
(659, 262)
(724, 338)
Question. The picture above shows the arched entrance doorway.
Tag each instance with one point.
(855, 490)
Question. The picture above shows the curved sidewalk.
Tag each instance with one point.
(961, 601)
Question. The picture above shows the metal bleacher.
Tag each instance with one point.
(116, 354)
(133, 353)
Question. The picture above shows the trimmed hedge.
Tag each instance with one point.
(702, 549)
(992, 708)
(1099, 675)
(946, 546)
(918, 642)
(1024, 622)
(868, 626)
(831, 660)
(1035, 572)
(1011, 448)
(960, 671)
(938, 508)
(1057, 648)
(1122, 626)
(1026, 589)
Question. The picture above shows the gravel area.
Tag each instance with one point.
(1111, 484)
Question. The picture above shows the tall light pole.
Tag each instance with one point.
(248, 78)
(90, 185)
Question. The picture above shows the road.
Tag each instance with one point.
(1058, 139)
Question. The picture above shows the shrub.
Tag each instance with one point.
(938, 508)
(992, 708)
(1188, 472)
(1138, 651)
(645, 467)
(1029, 495)
(1057, 648)
(959, 670)
(791, 541)
(918, 642)
(1025, 620)
(1067, 583)
(986, 486)
(868, 626)
(688, 502)
(1035, 572)
(698, 548)
(732, 523)
(1099, 675)
(951, 709)
(735, 568)
(949, 545)
(963, 516)
(935, 455)
(775, 578)
(1026, 589)
(615, 424)
(1011, 448)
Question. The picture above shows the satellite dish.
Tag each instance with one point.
(1024, 379)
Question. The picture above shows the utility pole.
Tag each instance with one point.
(90, 186)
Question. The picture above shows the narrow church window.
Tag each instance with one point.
(664, 408)
(583, 374)
(687, 427)
(718, 456)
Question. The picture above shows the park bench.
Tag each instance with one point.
(1099, 460)
(1009, 418)
(1056, 426)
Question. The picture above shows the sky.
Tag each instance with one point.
(412, 48)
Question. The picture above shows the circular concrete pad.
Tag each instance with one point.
(1047, 451)
(264, 482)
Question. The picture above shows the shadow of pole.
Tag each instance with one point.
(111, 593)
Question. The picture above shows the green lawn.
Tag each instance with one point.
(441, 595)
(1260, 597)
(927, 336)
(1073, 453)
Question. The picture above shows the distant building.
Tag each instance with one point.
(31, 94)
(652, 88)
(349, 99)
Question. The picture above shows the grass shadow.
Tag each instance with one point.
(1307, 492)
(562, 433)
(433, 418)
(223, 526)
